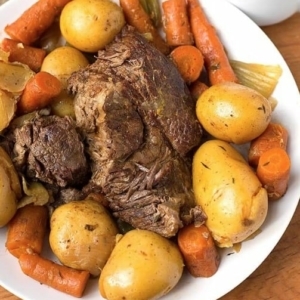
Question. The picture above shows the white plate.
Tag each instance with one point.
(244, 41)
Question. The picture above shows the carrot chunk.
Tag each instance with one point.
(275, 135)
(189, 62)
(137, 17)
(199, 251)
(18, 52)
(176, 23)
(26, 230)
(197, 88)
(273, 171)
(59, 277)
(39, 92)
(209, 43)
(34, 21)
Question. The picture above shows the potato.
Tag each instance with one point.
(233, 112)
(82, 235)
(62, 62)
(89, 25)
(10, 191)
(142, 266)
(229, 192)
(63, 105)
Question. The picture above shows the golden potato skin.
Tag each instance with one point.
(89, 25)
(62, 62)
(142, 266)
(229, 192)
(232, 112)
(82, 235)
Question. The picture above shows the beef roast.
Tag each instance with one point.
(50, 149)
(139, 122)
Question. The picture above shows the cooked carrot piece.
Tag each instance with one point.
(189, 62)
(275, 135)
(176, 23)
(137, 17)
(197, 88)
(26, 230)
(39, 92)
(209, 43)
(199, 250)
(29, 27)
(273, 171)
(18, 52)
(59, 277)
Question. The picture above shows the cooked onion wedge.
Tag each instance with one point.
(262, 78)
(34, 193)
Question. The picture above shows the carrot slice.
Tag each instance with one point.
(199, 251)
(59, 277)
(189, 62)
(137, 17)
(26, 230)
(39, 92)
(273, 171)
(209, 43)
(275, 135)
(18, 52)
(176, 23)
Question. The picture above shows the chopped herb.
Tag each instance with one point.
(204, 165)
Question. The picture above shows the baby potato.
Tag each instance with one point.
(232, 112)
(63, 105)
(229, 192)
(62, 62)
(10, 188)
(142, 266)
(89, 25)
(82, 235)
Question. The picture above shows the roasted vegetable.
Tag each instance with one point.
(89, 25)
(82, 235)
(233, 112)
(143, 265)
(260, 77)
(62, 62)
(152, 8)
(229, 191)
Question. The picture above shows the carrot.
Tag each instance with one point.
(197, 88)
(39, 92)
(18, 52)
(26, 230)
(199, 251)
(273, 171)
(137, 17)
(59, 277)
(275, 135)
(29, 27)
(189, 62)
(209, 43)
(176, 23)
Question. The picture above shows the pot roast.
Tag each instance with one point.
(139, 124)
(50, 149)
